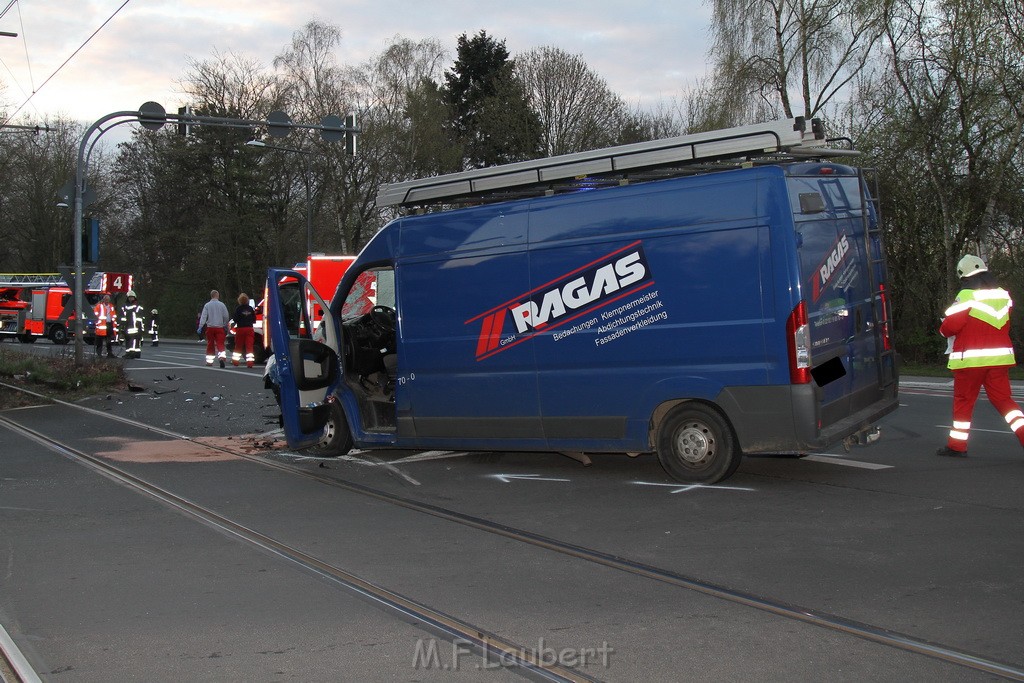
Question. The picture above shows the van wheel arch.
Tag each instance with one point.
(695, 441)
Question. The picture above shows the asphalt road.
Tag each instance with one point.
(100, 583)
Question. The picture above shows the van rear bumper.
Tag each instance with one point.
(786, 419)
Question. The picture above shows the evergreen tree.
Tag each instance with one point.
(490, 108)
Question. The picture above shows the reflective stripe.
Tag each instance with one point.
(980, 358)
(963, 425)
(1017, 424)
(988, 305)
(981, 353)
(959, 436)
(1013, 415)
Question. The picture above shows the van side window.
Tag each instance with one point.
(292, 309)
(842, 193)
(373, 287)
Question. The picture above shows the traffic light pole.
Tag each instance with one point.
(152, 116)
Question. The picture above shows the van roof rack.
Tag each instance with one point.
(771, 142)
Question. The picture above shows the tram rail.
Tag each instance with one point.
(490, 644)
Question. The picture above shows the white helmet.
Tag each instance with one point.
(970, 265)
(130, 294)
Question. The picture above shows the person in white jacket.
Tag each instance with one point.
(214, 320)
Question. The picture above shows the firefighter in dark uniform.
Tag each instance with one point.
(154, 328)
(132, 325)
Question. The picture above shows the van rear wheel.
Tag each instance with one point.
(696, 445)
(336, 439)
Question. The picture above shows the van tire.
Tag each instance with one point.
(696, 445)
(337, 438)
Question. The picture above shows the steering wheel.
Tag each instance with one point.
(384, 317)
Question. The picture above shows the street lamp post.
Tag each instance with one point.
(152, 116)
(305, 181)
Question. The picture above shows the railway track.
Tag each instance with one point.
(489, 644)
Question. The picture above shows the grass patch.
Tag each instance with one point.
(56, 376)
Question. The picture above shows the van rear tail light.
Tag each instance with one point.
(798, 335)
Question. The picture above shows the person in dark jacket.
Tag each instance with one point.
(981, 354)
(243, 320)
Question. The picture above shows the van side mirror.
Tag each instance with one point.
(314, 364)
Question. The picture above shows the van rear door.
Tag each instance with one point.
(306, 369)
(837, 245)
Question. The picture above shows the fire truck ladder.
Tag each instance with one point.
(687, 154)
(881, 309)
(46, 280)
(31, 279)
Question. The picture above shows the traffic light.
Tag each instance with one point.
(350, 135)
(182, 125)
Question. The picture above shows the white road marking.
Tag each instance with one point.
(430, 455)
(841, 460)
(686, 488)
(507, 478)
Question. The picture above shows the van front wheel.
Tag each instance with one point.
(336, 439)
(696, 445)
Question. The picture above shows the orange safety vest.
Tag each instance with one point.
(104, 314)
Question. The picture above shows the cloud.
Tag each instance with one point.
(646, 50)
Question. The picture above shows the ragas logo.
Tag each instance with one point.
(611, 277)
(829, 267)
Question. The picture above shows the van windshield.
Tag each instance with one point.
(373, 287)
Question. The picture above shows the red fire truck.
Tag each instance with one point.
(324, 272)
(32, 305)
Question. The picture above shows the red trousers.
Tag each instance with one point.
(967, 384)
(244, 340)
(215, 337)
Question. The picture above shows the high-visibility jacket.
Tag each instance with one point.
(131, 319)
(980, 322)
(104, 318)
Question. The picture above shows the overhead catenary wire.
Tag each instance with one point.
(7, 9)
(66, 61)
(24, 43)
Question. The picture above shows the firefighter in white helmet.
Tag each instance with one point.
(154, 328)
(132, 325)
(981, 354)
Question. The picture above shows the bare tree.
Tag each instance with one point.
(954, 74)
(779, 51)
(35, 234)
(576, 108)
(404, 124)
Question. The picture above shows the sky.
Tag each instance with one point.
(646, 50)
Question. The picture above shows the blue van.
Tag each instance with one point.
(700, 317)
